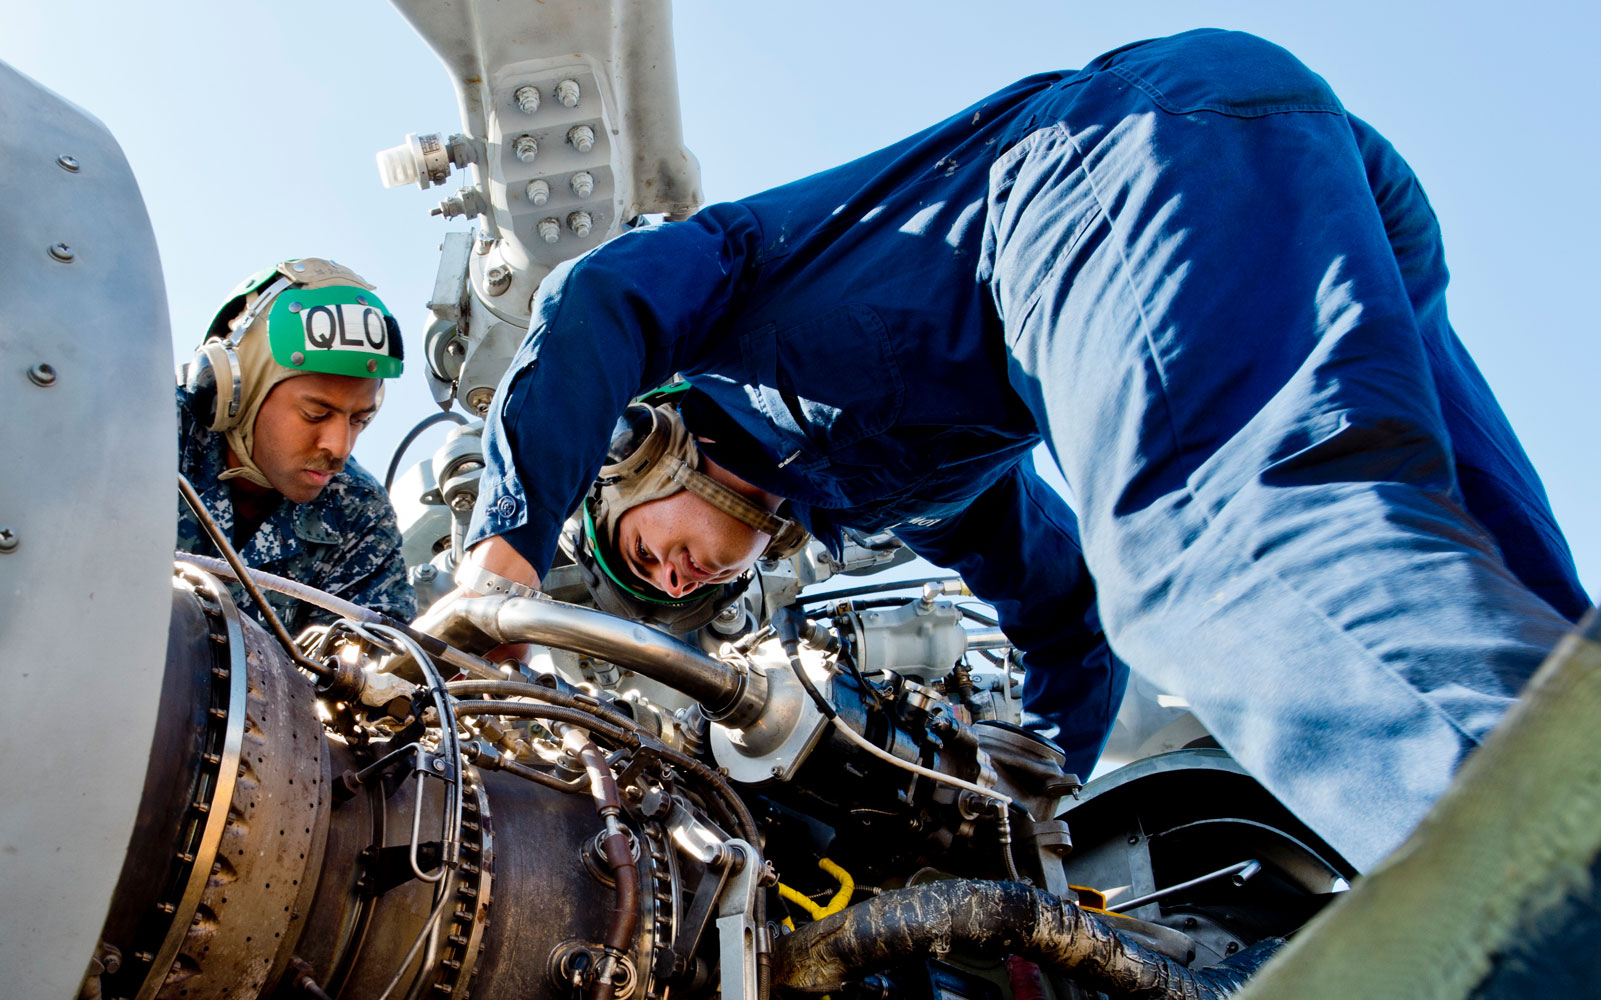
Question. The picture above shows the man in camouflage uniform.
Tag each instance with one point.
(289, 375)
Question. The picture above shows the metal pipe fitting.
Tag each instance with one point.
(736, 697)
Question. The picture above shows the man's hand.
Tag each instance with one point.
(496, 555)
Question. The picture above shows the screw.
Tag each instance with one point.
(568, 92)
(527, 99)
(549, 230)
(438, 765)
(68, 163)
(525, 147)
(777, 771)
(295, 307)
(8, 540)
(42, 373)
(297, 359)
(580, 223)
(62, 252)
(582, 137)
(538, 192)
(372, 365)
(425, 573)
(1231, 947)
(583, 184)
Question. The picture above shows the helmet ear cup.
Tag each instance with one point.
(214, 378)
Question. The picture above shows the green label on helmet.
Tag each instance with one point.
(339, 330)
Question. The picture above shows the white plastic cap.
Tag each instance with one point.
(397, 166)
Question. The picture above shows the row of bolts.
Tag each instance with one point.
(43, 374)
(582, 138)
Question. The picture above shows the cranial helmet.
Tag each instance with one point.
(305, 316)
(652, 456)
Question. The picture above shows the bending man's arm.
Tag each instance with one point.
(621, 319)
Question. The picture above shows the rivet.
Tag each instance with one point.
(68, 162)
(8, 540)
(372, 364)
(361, 300)
(62, 252)
(295, 307)
(297, 265)
(297, 359)
(42, 373)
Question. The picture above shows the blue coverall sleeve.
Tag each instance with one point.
(621, 319)
(1016, 547)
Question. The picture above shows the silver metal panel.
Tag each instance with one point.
(89, 451)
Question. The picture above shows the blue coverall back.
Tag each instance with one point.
(1218, 299)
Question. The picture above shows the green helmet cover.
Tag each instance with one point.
(337, 330)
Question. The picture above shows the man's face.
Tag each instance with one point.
(306, 428)
(680, 543)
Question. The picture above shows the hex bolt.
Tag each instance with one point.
(568, 93)
(42, 374)
(538, 192)
(527, 98)
(549, 230)
(62, 252)
(525, 147)
(582, 137)
(8, 540)
(498, 279)
(580, 223)
(583, 184)
(68, 163)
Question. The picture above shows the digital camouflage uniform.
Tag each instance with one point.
(344, 542)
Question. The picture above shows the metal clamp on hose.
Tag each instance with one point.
(482, 581)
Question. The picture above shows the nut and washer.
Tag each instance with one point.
(62, 252)
(43, 374)
(68, 162)
(527, 98)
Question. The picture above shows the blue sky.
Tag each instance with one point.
(252, 127)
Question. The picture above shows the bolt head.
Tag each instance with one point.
(68, 163)
(479, 399)
(372, 365)
(62, 252)
(42, 374)
(438, 765)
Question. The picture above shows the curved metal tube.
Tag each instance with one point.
(993, 918)
(730, 695)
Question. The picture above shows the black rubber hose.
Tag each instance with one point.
(993, 919)
(411, 436)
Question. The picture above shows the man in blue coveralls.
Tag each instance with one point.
(1217, 298)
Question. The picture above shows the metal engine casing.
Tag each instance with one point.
(86, 524)
(257, 855)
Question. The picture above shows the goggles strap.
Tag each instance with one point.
(725, 499)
